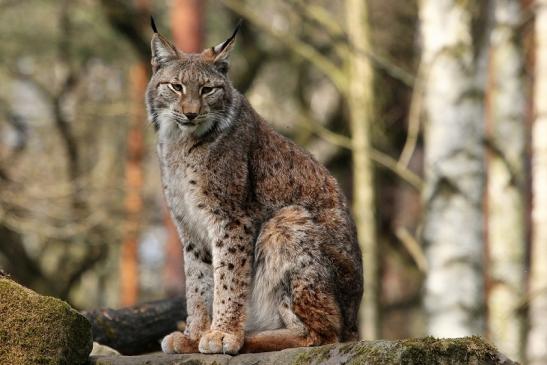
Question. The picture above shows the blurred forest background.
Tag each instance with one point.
(432, 115)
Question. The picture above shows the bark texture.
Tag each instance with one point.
(537, 337)
(506, 181)
(471, 350)
(454, 167)
(360, 106)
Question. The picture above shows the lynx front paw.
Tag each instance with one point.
(218, 342)
(178, 343)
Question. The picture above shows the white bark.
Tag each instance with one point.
(506, 180)
(454, 169)
(360, 105)
(537, 336)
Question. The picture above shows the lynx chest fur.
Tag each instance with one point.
(182, 184)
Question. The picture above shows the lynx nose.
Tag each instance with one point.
(191, 116)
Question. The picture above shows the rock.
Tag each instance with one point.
(36, 329)
(102, 350)
(468, 350)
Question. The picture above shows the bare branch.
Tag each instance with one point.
(390, 163)
(333, 71)
(129, 21)
(414, 119)
(379, 157)
(26, 269)
(413, 248)
(94, 255)
(318, 15)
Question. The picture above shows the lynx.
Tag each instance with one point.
(270, 249)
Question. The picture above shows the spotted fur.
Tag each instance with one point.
(270, 248)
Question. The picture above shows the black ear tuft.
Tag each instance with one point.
(229, 40)
(153, 24)
(238, 25)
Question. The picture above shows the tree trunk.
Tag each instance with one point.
(135, 29)
(187, 24)
(187, 27)
(506, 181)
(360, 106)
(454, 169)
(537, 336)
(129, 265)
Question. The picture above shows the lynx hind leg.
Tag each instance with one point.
(296, 334)
(290, 266)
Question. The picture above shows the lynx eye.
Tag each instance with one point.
(176, 87)
(207, 90)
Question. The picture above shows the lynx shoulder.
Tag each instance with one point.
(271, 255)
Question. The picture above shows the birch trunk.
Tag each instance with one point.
(506, 180)
(360, 106)
(454, 169)
(537, 336)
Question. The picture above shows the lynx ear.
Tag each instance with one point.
(221, 52)
(162, 50)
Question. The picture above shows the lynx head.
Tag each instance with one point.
(190, 94)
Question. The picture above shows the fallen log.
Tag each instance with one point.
(419, 351)
(138, 329)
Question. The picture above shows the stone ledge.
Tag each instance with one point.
(421, 351)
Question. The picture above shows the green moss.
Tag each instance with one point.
(461, 350)
(37, 329)
(418, 351)
(373, 353)
(314, 355)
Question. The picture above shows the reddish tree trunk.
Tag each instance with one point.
(187, 27)
(129, 265)
(129, 259)
(187, 24)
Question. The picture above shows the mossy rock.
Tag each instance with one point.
(421, 351)
(41, 330)
(468, 350)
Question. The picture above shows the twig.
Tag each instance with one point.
(333, 71)
(128, 21)
(413, 248)
(525, 301)
(68, 231)
(379, 157)
(404, 173)
(321, 17)
(414, 118)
